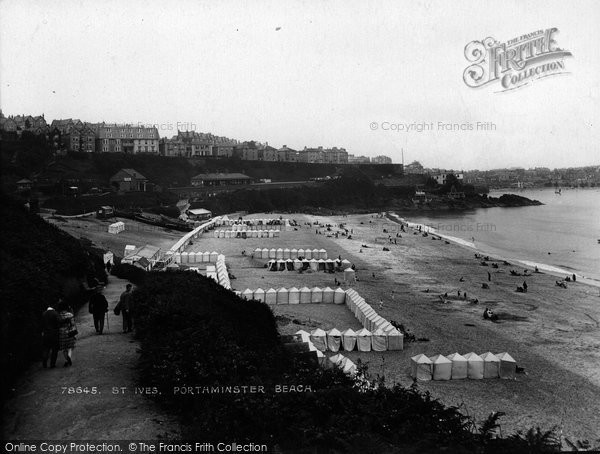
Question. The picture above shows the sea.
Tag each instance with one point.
(562, 236)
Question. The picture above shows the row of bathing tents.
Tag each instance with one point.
(254, 224)
(377, 334)
(246, 233)
(338, 360)
(195, 257)
(222, 273)
(294, 295)
(362, 340)
(457, 366)
(312, 264)
(286, 253)
(369, 319)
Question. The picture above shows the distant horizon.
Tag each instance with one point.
(374, 78)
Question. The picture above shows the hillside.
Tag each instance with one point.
(39, 263)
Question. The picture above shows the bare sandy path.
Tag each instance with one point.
(47, 404)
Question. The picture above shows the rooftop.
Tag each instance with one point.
(221, 176)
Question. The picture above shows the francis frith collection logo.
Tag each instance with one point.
(514, 63)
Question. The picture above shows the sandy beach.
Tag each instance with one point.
(553, 333)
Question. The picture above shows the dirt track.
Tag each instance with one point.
(47, 405)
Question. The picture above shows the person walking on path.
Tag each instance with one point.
(66, 332)
(51, 325)
(125, 306)
(489, 276)
(98, 308)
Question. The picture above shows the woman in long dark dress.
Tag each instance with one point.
(66, 343)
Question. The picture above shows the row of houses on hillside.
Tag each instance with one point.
(191, 144)
(74, 135)
(16, 124)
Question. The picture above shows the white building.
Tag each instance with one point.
(441, 178)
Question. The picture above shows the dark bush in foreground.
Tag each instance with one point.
(131, 273)
(197, 335)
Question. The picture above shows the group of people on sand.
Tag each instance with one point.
(59, 329)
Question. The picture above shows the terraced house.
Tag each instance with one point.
(18, 123)
(132, 139)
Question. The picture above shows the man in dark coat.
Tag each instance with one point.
(98, 307)
(50, 326)
(125, 306)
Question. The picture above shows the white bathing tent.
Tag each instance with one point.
(272, 253)
(339, 296)
(307, 254)
(348, 366)
(363, 340)
(304, 334)
(316, 295)
(319, 338)
(395, 339)
(293, 296)
(334, 339)
(322, 254)
(421, 367)
(474, 366)
(286, 253)
(264, 253)
(301, 253)
(379, 340)
(294, 253)
(247, 294)
(349, 276)
(282, 296)
(279, 253)
(259, 294)
(349, 339)
(305, 295)
(336, 360)
(297, 264)
(314, 265)
(271, 296)
(442, 367)
(321, 358)
(491, 365)
(508, 366)
(459, 366)
(346, 264)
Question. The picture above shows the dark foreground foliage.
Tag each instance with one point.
(196, 335)
(39, 263)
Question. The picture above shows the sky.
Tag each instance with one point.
(353, 74)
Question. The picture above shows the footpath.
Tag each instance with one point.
(79, 402)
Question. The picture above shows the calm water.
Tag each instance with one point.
(567, 227)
